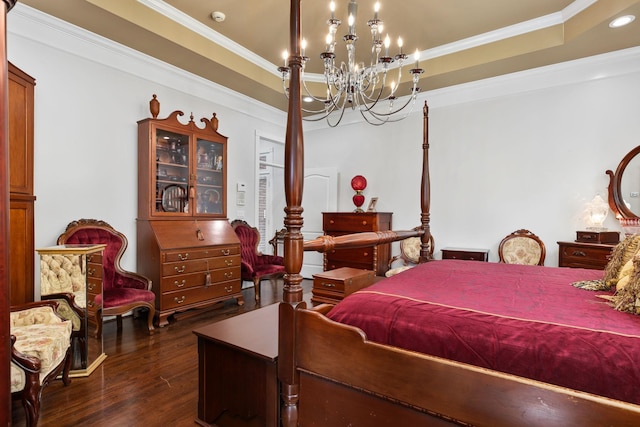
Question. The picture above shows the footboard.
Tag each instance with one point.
(347, 380)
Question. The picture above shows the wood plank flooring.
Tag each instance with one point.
(145, 380)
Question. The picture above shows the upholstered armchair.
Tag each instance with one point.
(409, 255)
(255, 265)
(522, 247)
(40, 351)
(122, 291)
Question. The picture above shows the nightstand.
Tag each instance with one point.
(466, 254)
(594, 256)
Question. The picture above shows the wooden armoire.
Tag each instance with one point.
(21, 197)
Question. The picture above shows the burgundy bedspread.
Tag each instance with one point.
(524, 320)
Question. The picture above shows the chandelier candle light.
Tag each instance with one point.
(354, 85)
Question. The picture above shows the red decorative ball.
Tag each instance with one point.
(358, 183)
(358, 200)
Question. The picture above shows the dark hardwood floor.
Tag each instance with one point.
(145, 380)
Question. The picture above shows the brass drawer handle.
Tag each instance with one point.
(183, 257)
(229, 289)
(91, 286)
(228, 262)
(328, 285)
(225, 252)
(89, 257)
(180, 284)
(179, 300)
(91, 304)
(228, 275)
(180, 270)
(578, 253)
(91, 271)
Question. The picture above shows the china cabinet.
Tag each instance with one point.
(185, 243)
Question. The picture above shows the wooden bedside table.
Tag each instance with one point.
(333, 285)
(466, 254)
(594, 256)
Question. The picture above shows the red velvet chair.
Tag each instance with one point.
(122, 291)
(255, 265)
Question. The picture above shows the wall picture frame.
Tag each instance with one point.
(372, 204)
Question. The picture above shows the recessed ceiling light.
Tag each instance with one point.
(621, 21)
(307, 99)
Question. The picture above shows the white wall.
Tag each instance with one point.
(520, 151)
(89, 95)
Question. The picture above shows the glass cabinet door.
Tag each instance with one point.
(209, 177)
(172, 172)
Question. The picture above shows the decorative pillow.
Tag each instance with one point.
(627, 297)
(620, 255)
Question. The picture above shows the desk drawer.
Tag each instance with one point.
(186, 297)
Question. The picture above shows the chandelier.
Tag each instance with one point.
(354, 85)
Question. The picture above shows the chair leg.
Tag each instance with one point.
(256, 287)
(119, 322)
(151, 312)
(67, 367)
(31, 401)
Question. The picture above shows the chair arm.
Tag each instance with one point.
(270, 259)
(69, 313)
(129, 279)
(245, 266)
(23, 361)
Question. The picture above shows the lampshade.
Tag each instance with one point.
(597, 211)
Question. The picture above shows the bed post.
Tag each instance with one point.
(425, 193)
(293, 241)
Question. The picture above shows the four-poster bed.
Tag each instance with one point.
(332, 375)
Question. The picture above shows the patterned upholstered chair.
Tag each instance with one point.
(522, 247)
(122, 291)
(255, 265)
(409, 255)
(40, 351)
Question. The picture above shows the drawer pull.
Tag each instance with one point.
(228, 262)
(180, 270)
(183, 257)
(179, 300)
(228, 275)
(328, 285)
(207, 279)
(225, 252)
(89, 257)
(364, 222)
(91, 286)
(91, 271)
(180, 284)
(229, 289)
(578, 253)
(91, 304)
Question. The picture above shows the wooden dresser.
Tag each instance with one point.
(374, 258)
(594, 256)
(191, 263)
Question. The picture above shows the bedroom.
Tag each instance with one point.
(556, 131)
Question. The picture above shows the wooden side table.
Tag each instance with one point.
(333, 285)
(594, 256)
(237, 369)
(466, 254)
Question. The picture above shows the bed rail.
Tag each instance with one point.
(358, 240)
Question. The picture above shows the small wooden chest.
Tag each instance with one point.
(333, 285)
(597, 236)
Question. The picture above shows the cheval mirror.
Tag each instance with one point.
(624, 192)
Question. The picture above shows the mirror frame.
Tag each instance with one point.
(616, 201)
